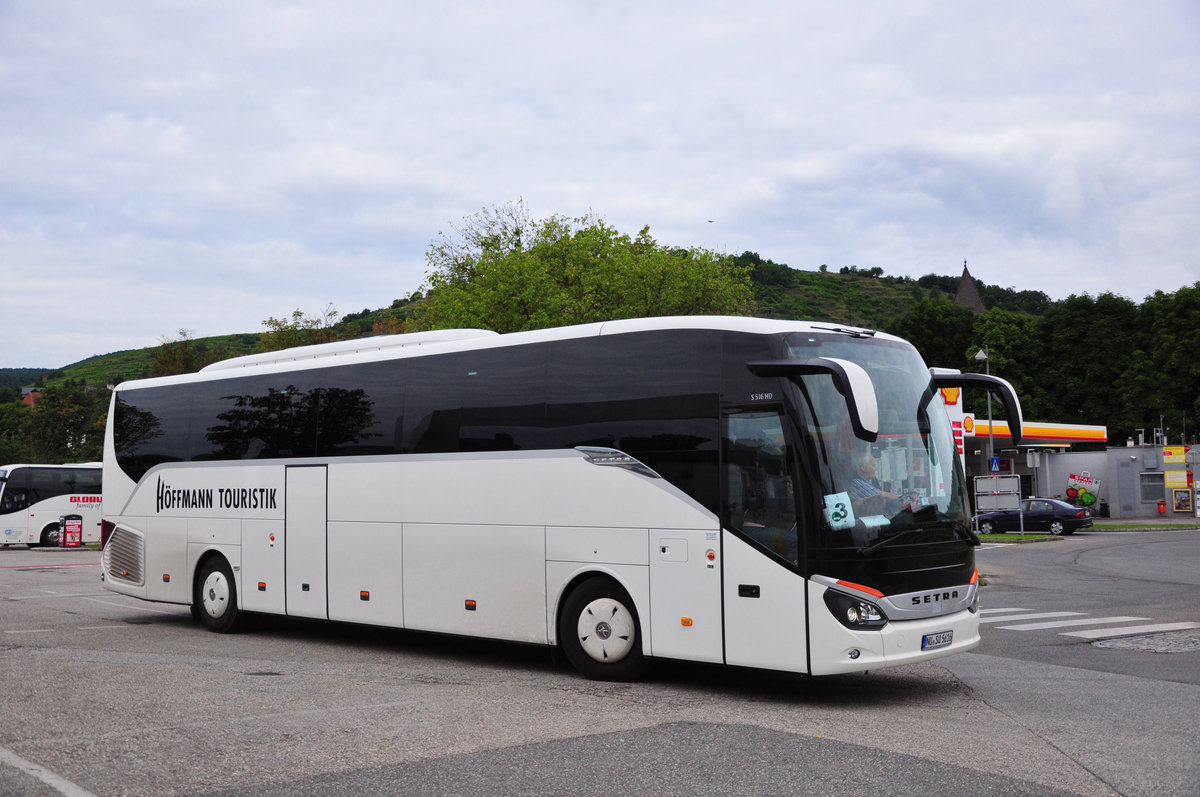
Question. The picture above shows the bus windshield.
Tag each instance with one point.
(907, 486)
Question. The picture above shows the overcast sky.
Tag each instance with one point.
(171, 164)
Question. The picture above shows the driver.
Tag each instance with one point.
(864, 491)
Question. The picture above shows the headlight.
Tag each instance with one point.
(854, 612)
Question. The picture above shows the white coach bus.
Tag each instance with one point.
(680, 488)
(34, 497)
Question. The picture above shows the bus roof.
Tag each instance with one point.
(389, 347)
(65, 465)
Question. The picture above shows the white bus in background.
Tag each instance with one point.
(34, 497)
(678, 488)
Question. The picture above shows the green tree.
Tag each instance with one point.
(1085, 350)
(1011, 340)
(940, 329)
(1171, 325)
(14, 444)
(67, 425)
(183, 355)
(507, 272)
(300, 330)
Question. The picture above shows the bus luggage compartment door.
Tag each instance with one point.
(304, 541)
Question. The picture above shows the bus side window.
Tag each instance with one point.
(759, 487)
(15, 500)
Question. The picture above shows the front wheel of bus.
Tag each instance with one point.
(598, 631)
(215, 599)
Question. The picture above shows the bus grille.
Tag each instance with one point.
(125, 557)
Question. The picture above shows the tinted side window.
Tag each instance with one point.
(49, 483)
(258, 417)
(86, 481)
(16, 491)
(487, 400)
(360, 408)
(151, 427)
(652, 395)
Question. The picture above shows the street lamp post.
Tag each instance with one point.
(984, 354)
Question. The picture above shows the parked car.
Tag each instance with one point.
(1041, 514)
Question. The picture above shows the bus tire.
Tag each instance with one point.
(599, 632)
(49, 537)
(214, 600)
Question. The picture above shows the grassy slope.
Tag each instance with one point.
(843, 298)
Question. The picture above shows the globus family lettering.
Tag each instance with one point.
(168, 497)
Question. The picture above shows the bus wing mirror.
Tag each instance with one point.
(850, 379)
(1003, 390)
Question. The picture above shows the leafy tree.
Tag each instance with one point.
(14, 446)
(300, 329)
(1085, 346)
(1010, 339)
(67, 425)
(506, 271)
(945, 284)
(1171, 323)
(940, 329)
(765, 272)
(21, 377)
(182, 356)
(994, 297)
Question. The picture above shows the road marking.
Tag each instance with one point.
(56, 782)
(1020, 617)
(1002, 611)
(1104, 633)
(100, 627)
(1067, 623)
(131, 606)
(30, 631)
(53, 595)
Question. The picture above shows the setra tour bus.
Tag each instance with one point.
(34, 498)
(761, 493)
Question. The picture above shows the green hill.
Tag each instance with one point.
(858, 296)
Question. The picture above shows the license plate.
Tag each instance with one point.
(939, 640)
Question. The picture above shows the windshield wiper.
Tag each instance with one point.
(960, 529)
(966, 532)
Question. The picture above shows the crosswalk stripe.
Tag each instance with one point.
(1068, 623)
(1021, 617)
(1102, 633)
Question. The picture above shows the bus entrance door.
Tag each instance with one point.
(764, 611)
(304, 541)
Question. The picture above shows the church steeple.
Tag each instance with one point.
(968, 292)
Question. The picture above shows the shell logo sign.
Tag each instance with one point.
(951, 395)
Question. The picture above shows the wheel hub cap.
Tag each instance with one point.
(607, 631)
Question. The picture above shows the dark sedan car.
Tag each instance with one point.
(1041, 514)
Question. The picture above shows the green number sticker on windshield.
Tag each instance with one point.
(838, 511)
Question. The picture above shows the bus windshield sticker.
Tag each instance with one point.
(838, 511)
